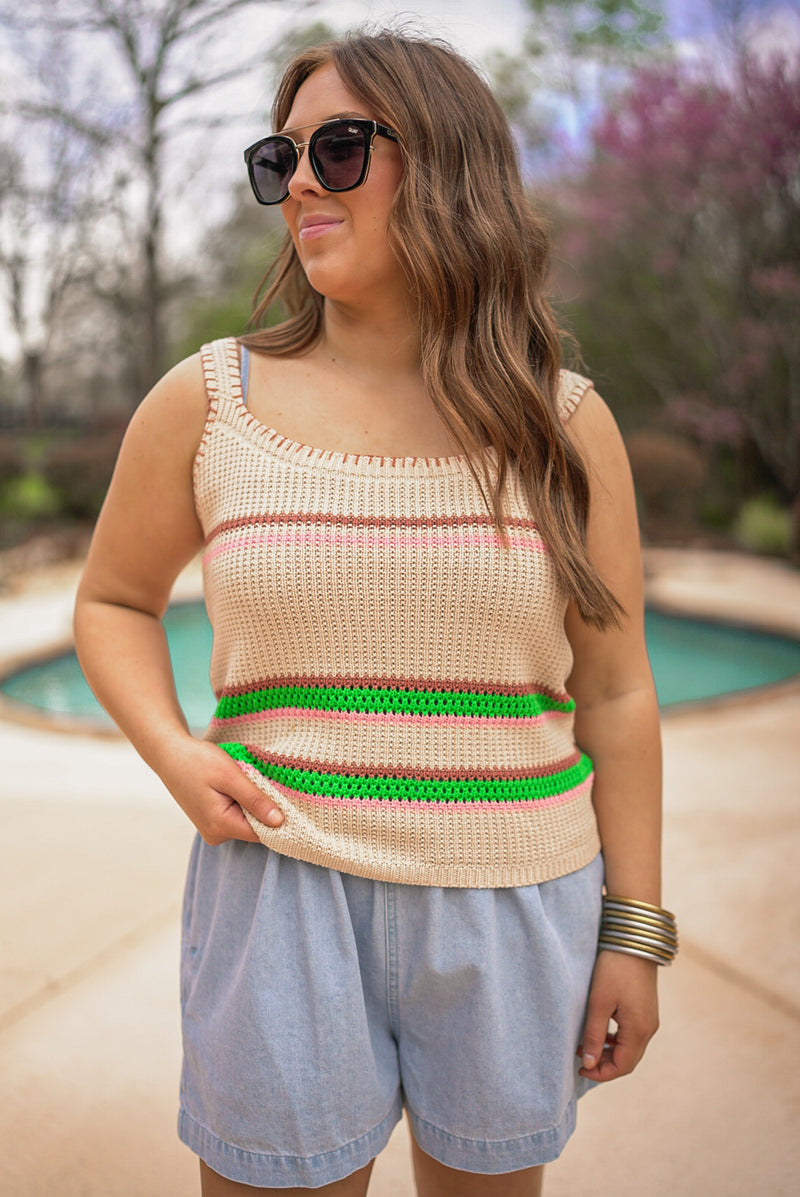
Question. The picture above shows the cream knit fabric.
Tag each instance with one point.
(385, 669)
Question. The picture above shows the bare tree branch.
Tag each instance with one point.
(158, 44)
(54, 113)
(194, 86)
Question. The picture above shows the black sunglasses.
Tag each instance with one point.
(339, 153)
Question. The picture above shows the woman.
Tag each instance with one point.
(435, 705)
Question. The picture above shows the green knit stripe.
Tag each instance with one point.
(389, 701)
(455, 789)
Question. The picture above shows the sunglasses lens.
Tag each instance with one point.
(340, 153)
(272, 167)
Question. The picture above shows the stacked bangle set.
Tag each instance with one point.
(638, 929)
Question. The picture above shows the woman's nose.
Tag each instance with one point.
(304, 180)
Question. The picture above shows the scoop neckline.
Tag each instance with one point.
(313, 454)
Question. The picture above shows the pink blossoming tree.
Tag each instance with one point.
(684, 233)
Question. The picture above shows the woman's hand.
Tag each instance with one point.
(214, 791)
(623, 988)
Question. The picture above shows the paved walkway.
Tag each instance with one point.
(92, 857)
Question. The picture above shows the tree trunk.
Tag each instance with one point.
(152, 354)
(33, 387)
(794, 535)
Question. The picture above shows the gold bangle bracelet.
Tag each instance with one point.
(649, 920)
(659, 910)
(662, 945)
(661, 954)
(656, 930)
(629, 951)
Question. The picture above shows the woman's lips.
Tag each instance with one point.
(315, 226)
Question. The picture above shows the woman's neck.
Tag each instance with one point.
(377, 346)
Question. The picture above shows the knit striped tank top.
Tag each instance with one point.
(386, 669)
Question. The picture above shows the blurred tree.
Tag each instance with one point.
(237, 254)
(46, 211)
(685, 231)
(299, 37)
(570, 51)
(153, 61)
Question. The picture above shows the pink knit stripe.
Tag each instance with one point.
(387, 682)
(383, 803)
(398, 719)
(361, 538)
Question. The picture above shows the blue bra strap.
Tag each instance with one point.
(244, 370)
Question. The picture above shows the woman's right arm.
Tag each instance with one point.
(147, 532)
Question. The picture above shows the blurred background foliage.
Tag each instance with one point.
(670, 169)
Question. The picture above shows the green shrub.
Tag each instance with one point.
(763, 526)
(29, 496)
(12, 458)
(80, 470)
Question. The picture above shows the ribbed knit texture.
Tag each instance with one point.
(387, 670)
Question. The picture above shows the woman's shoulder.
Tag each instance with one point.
(572, 388)
(593, 430)
(182, 383)
(175, 410)
(587, 417)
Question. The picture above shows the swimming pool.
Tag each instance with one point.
(693, 661)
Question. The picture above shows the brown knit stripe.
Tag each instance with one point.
(327, 519)
(483, 773)
(384, 682)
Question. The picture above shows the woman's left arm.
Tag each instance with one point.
(617, 725)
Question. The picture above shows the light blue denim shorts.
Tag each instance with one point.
(316, 1005)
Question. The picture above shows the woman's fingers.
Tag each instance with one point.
(595, 1038)
(222, 819)
(623, 990)
(215, 791)
(236, 792)
(253, 799)
(617, 1057)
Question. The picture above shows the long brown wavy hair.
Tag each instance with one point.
(476, 256)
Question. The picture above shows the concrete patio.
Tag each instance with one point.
(93, 854)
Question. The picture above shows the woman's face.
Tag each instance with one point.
(341, 237)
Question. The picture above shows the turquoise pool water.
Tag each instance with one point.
(692, 661)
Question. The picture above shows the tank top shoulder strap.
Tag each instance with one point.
(571, 389)
(223, 377)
